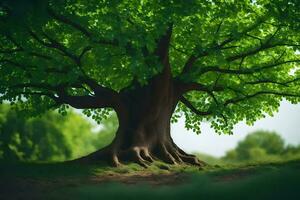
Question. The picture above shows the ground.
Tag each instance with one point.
(67, 181)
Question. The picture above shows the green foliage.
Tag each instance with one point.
(262, 146)
(106, 134)
(51, 137)
(291, 152)
(262, 142)
(248, 48)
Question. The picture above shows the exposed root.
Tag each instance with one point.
(115, 161)
(165, 155)
(175, 155)
(191, 160)
(188, 158)
(146, 155)
(141, 155)
(137, 158)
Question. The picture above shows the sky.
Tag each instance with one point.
(286, 123)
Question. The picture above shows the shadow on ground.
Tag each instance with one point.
(61, 181)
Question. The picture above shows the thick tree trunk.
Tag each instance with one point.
(144, 114)
(144, 127)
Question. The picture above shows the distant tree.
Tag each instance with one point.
(257, 146)
(106, 134)
(211, 60)
(50, 137)
(292, 152)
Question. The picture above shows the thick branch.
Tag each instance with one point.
(84, 102)
(98, 89)
(36, 93)
(189, 64)
(103, 97)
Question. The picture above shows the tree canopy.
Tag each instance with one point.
(236, 59)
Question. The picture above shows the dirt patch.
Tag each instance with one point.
(32, 188)
(142, 177)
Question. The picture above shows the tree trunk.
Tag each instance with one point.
(144, 127)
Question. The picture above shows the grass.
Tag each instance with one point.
(62, 181)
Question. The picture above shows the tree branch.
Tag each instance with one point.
(84, 51)
(21, 49)
(35, 86)
(31, 68)
(183, 87)
(52, 96)
(188, 104)
(189, 64)
(163, 44)
(54, 45)
(245, 71)
(194, 57)
(246, 97)
(85, 31)
(103, 97)
(84, 102)
(261, 81)
(69, 22)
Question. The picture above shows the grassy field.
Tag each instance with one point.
(62, 181)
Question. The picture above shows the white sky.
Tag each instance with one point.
(286, 122)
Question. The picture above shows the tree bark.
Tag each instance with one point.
(144, 126)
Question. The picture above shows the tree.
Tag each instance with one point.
(51, 137)
(257, 146)
(221, 61)
(292, 152)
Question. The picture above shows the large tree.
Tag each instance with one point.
(211, 60)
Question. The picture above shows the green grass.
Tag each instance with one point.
(61, 181)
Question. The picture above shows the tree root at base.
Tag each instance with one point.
(170, 154)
